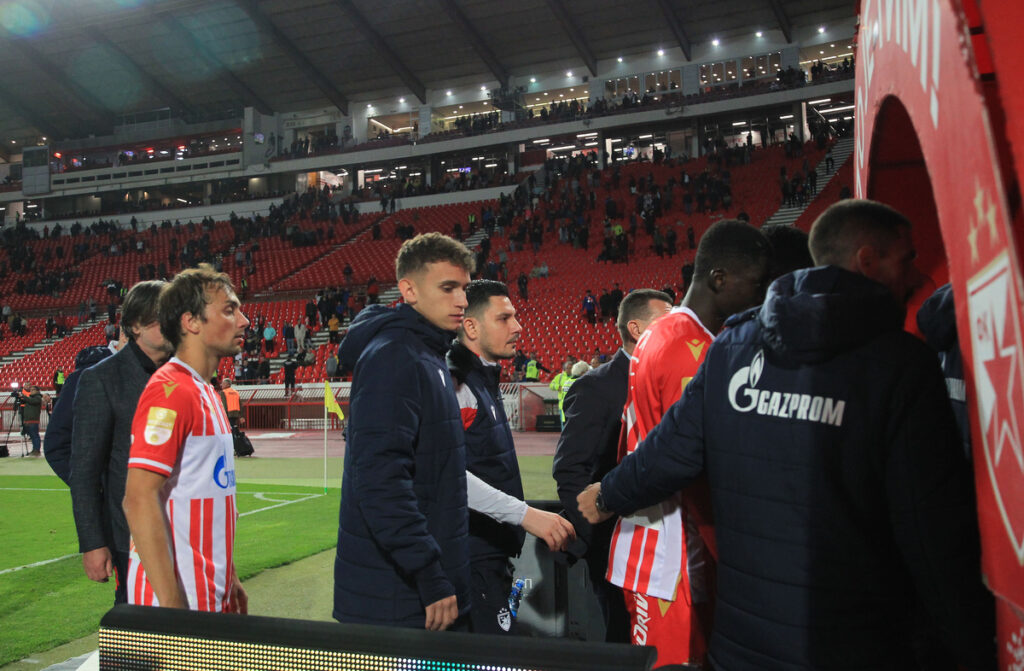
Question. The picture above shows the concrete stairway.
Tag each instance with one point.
(787, 216)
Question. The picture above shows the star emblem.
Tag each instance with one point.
(1003, 431)
(972, 240)
(990, 218)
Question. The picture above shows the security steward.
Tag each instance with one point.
(232, 404)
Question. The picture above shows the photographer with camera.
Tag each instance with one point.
(32, 406)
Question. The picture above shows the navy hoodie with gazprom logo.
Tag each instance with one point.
(403, 523)
(842, 501)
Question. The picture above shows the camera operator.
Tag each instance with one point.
(32, 402)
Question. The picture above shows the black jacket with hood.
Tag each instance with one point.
(403, 523)
(840, 494)
(57, 441)
(490, 453)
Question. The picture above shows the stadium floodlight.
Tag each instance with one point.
(819, 102)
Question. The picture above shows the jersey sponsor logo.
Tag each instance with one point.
(686, 381)
(159, 425)
(642, 618)
(169, 389)
(745, 397)
(696, 347)
(222, 477)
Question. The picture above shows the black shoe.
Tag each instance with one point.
(35, 453)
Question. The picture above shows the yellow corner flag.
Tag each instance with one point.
(330, 402)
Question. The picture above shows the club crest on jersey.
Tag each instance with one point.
(159, 425)
(504, 619)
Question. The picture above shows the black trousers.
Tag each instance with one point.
(490, 584)
(120, 560)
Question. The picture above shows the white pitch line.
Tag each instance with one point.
(278, 505)
(32, 489)
(248, 512)
(38, 563)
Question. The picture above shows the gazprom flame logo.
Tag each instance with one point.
(746, 376)
(744, 396)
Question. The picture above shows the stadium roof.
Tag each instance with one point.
(76, 68)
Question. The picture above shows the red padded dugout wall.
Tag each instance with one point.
(940, 138)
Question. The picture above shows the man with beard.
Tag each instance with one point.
(181, 470)
(499, 517)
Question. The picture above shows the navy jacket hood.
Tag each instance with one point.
(937, 319)
(91, 355)
(375, 319)
(813, 314)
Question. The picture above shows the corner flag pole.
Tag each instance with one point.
(325, 445)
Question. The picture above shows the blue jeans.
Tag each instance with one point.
(32, 431)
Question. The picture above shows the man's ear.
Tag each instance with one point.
(865, 260)
(408, 290)
(716, 279)
(633, 327)
(190, 323)
(471, 327)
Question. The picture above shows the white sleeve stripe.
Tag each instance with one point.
(139, 461)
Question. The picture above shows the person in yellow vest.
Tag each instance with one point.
(58, 381)
(556, 382)
(533, 368)
(232, 403)
(579, 369)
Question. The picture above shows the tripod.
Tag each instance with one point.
(15, 412)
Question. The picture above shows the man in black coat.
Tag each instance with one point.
(402, 557)
(842, 500)
(57, 441)
(588, 448)
(104, 406)
(499, 517)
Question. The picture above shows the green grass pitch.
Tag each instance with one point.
(285, 517)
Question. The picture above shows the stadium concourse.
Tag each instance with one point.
(295, 144)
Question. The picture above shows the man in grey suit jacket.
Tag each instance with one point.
(101, 437)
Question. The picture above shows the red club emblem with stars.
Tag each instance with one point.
(999, 375)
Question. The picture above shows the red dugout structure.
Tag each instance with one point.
(940, 136)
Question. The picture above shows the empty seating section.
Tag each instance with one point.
(278, 259)
(377, 257)
(34, 333)
(38, 367)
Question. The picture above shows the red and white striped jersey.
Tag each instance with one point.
(181, 431)
(647, 548)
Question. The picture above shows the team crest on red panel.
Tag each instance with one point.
(993, 305)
